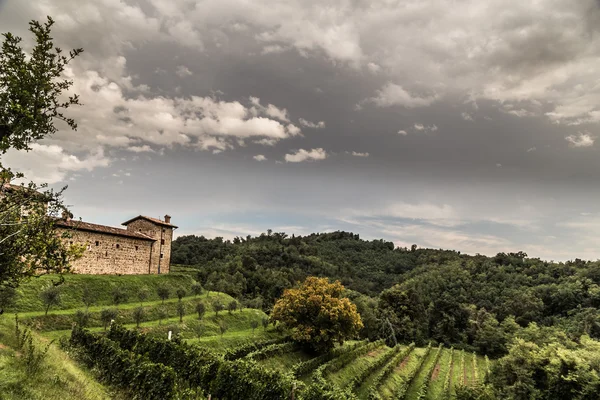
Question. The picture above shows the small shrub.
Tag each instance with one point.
(180, 293)
(162, 314)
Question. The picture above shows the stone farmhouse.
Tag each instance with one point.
(143, 247)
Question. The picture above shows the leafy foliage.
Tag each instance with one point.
(318, 314)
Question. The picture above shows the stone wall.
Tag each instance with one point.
(163, 235)
(110, 254)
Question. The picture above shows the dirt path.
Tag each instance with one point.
(436, 372)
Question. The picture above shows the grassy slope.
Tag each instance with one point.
(60, 378)
(28, 299)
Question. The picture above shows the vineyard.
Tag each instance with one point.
(275, 369)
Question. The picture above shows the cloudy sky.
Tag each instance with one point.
(467, 124)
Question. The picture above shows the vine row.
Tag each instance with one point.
(387, 370)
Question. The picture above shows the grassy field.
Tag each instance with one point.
(58, 376)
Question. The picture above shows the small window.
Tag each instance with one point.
(136, 247)
(118, 245)
(161, 255)
(162, 241)
(97, 243)
(106, 254)
(163, 230)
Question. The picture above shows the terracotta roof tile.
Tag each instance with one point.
(86, 226)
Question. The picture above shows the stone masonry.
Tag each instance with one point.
(144, 247)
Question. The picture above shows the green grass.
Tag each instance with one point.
(102, 286)
(285, 362)
(456, 372)
(58, 379)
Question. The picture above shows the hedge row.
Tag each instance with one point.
(134, 373)
(448, 378)
(243, 351)
(272, 350)
(307, 366)
(387, 370)
(338, 363)
(223, 379)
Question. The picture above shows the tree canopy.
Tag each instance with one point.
(318, 314)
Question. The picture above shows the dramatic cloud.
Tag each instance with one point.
(580, 140)
(306, 155)
(51, 164)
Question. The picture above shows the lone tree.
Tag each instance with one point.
(163, 292)
(200, 309)
(232, 306)
(50, 297)
(196, 289)
(180, 311)
(217, 306)
(143, 294)
(318, 314)
(107, 315)
(138, 316)
(119, 296)
(180, 293)
(31, 101)
(88, 297)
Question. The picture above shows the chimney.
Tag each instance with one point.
(66, 215)
(167, 218)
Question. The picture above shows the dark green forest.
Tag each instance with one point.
(539, 318)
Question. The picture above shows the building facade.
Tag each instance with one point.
(143, 247)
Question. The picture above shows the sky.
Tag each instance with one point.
(467, 125)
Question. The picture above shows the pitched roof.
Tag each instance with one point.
(86, 226)
(154, 220)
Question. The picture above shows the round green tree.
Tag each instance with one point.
(318, 314)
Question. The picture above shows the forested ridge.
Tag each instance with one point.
(538, 319)
(423, 294)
